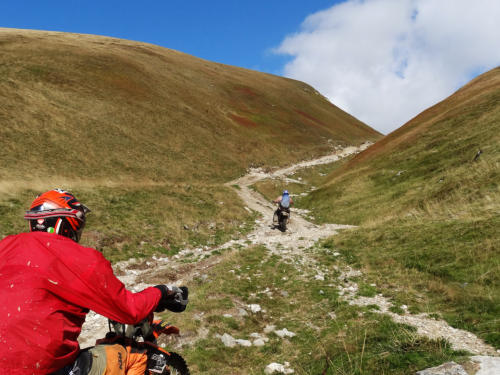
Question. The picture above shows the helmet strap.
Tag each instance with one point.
(58, 226)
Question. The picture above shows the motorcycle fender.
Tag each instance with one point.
(170, 330)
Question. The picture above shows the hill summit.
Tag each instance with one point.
(82, 106)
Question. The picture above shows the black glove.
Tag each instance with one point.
(173, 298)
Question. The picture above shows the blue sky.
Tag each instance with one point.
(383, 61)
(237, 32)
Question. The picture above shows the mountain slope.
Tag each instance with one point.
(428, 162)
(146, 135)
(81, 106)
(428, 205)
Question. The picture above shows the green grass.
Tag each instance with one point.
(123, 111)
(357, 341)
(310, 177)
(428, 172)
(428, 212)
(147, 137)
(367, 290)
(451, 267)
(132, 222)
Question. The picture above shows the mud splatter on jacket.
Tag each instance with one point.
(48, 283)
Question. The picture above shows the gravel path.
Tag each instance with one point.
(301, 234)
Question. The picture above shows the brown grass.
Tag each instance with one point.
(146, 135)
(96, 108)
(468, 96)
(309, 117)
(243, 121)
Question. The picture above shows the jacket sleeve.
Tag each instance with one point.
(112, 300)
(94, 286)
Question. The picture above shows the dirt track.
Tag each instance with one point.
(300, 235)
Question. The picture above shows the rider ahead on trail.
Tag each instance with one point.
(48, 284)
(285, 200)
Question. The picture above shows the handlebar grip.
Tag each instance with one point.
(185, 292)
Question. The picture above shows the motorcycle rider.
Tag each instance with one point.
(284, 202)
(48, 284)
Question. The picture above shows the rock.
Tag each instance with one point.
(277, 367)
(449, 368)
(227, 316)
(186, 227)
(284, 293)
(243, 342)
(198, 317)
(259, 342)
(319, 277)
(228, 340)
(242, 312)
(284, 333)
(255, 308)
(269, 328)
(478, 154)
(258, 337)
(274, 367)
(488, 365)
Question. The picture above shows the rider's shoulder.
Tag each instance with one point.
(58, 243)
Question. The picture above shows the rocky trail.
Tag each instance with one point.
(301, 234)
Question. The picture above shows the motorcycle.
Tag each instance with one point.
(143, 337)
(281, 216)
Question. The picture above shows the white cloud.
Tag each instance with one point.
(384, 61)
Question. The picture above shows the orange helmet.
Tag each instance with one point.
(57, 211)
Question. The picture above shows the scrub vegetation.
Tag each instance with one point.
(96, 108)
(146, 136)
(428, 207)
(332, 337)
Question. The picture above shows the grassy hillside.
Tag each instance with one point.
(429, 210)
(146, 135)
(332, 336)
(113, 109)
(426, 166)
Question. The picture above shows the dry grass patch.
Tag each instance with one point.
(110, 108)
(138, 221)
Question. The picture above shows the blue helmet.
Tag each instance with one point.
(285, 192)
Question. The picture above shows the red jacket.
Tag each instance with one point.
(48, 283)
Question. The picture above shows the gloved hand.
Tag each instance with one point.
(161, 326)
(173, 298)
